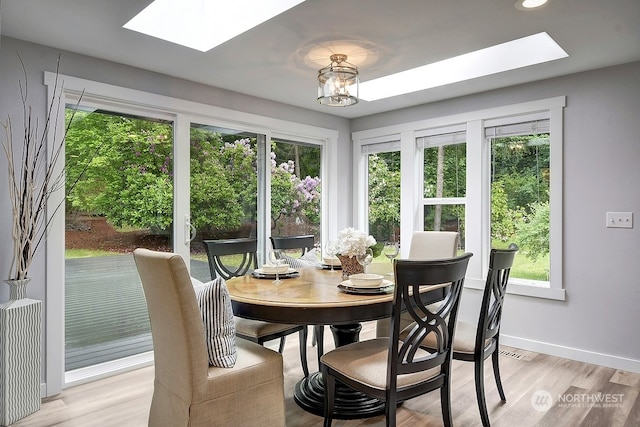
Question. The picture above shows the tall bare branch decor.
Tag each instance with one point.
(33, 179)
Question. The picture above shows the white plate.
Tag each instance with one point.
(271, 269)
(365, 291)
(384, 284)
(263, 273)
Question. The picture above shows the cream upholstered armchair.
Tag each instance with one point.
(425, 245)
(187, 390)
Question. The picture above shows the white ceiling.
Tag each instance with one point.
(271, 61)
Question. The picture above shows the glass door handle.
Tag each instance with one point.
(189, 230)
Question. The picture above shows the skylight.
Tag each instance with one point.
(204, 24)
(530, 50)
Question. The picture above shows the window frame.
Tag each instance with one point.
(420, 147)
(478, 197)
(384, 144)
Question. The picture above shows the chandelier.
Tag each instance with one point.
(338, 82)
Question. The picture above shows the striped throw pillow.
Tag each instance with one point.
(219, 326)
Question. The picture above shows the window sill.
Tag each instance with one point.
(521, 289)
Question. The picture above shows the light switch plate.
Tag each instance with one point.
(619, 219)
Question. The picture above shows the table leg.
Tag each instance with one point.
(349, 404)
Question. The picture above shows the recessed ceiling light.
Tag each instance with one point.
(530, 4)
(204, 24)
(530, 50)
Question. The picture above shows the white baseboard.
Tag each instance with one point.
(601, 359)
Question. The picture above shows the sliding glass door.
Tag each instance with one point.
(119, 186)
(224, 169)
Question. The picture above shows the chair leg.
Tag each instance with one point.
(313, 337)
(329, 397)
(390, 408)
(282, 341)
(482, 404)
(496, 374)
(303, 351)
(445, 404)
(318, 331)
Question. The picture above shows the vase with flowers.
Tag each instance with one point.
(350, 243)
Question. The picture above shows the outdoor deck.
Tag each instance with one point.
(106, 313)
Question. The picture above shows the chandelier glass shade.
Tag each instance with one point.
(338, 82)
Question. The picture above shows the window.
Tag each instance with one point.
(383, 190)
(444, 183)
(493, 175)
(520, 177)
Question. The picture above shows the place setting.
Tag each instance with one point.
(276, 269)
(367, 284)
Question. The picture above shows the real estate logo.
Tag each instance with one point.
(590, 400)
(541, 400)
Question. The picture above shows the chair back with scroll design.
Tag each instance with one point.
(304, 243)
(217, 250)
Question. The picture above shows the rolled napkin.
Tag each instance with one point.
(310, 259)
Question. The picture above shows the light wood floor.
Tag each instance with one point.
(575, 387)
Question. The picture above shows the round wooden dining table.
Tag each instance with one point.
(313, 298)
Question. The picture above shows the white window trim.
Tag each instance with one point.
(477, 199)
(181, 112)
(432, 201)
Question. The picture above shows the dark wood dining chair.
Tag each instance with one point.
(392, 370)
(475, 342)
(305, 243)
(244, 262)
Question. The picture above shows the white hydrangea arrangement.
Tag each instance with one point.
(352, 242)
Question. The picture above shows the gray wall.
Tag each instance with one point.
(601, 173)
